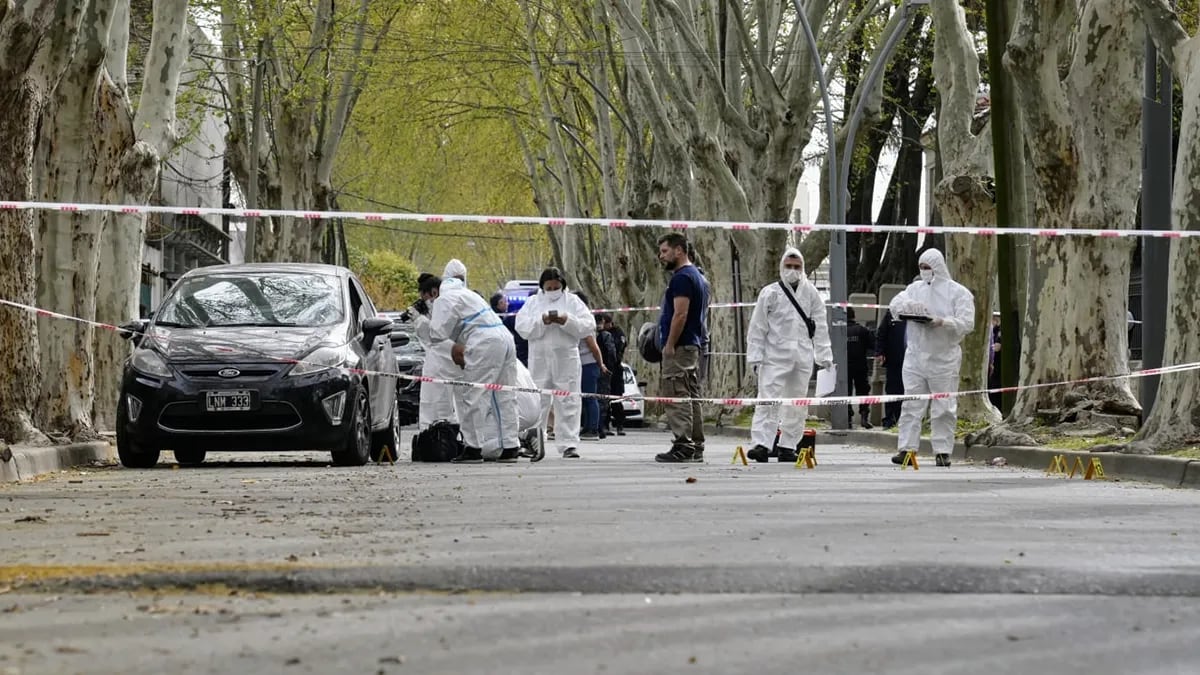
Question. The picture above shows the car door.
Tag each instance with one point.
(377, 358)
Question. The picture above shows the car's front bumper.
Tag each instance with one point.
(290, 413)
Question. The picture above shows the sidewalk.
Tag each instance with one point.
(22, 462)
(1168, 471)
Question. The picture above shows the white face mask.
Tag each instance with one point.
(927, 275)
(792, 276)
(553, 296)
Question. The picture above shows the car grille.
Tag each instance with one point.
(257, 372)
(191, 416)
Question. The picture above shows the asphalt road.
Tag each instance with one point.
(611, 563)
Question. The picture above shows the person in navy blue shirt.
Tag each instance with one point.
(681, 330)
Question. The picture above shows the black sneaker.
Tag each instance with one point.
(898, 458)
(469, 456)
(698, 457)
(759, 453)
(675, 455)
(788, 456)
(942, 459)
(620, 432)
(570, 453)
(535, 445)
(866, 422)
(509, 455)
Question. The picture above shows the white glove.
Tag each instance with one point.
(825, 365)
(937, 321)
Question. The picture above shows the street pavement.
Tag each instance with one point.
(610, 563)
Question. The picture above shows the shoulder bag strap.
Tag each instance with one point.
(812, 325)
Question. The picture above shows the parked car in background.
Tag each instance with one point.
(635, 410)
(275, 357)
(410, 360)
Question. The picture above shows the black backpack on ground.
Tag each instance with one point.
(439, 442)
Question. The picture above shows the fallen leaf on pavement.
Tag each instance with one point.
(690, 479)
(30, 519)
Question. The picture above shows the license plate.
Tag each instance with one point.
(228, 401)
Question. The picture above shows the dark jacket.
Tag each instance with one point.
(619, 342)
(860, 346)
(890, 341)
(521, 343)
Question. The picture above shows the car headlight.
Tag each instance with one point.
(318, 360)
(150, 362)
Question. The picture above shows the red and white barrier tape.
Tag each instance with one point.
(69, 207)
(715, 305)
(733, 402)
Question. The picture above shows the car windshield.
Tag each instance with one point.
(253, 299)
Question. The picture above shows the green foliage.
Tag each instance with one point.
(433, 133)
(1073, 443)
(390, 279)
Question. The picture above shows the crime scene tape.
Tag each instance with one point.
(715, 305)
(732, 402)
(135, 209)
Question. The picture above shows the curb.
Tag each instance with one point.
(29, 462)
(1169, 471)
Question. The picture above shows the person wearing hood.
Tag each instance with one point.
(484, 349)
(940, 313)
(455, 269)
(787, 335)
(436, 400)
(554, 321)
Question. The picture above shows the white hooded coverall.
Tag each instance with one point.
(437, 400)
(487, 418)
(933, 357)
(779, 345)
(554, 357)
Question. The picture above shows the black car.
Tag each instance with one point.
(275, 357)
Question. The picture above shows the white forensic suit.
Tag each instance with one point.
(554, 358)
(487, 418)
(780, 349)
(933, 357)
(529, 405)
(437, 400)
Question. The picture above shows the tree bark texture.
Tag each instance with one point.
(964, 196)
(1086, 173)
(1174, 422)
(34, 41)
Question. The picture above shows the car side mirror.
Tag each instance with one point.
(376, 326)
(134, 331)
(401, 340)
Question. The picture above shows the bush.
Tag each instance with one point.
(390, 279)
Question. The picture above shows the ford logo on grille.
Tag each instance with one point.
(229, 372)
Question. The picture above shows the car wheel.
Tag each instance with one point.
(133, 455)
(388, 438)
(357, 450)
(190, 457)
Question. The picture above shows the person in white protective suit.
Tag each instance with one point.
(437, 400)
(782, 346)
(554, 321)
(946, 311)
(529, 414)
(484, 349)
